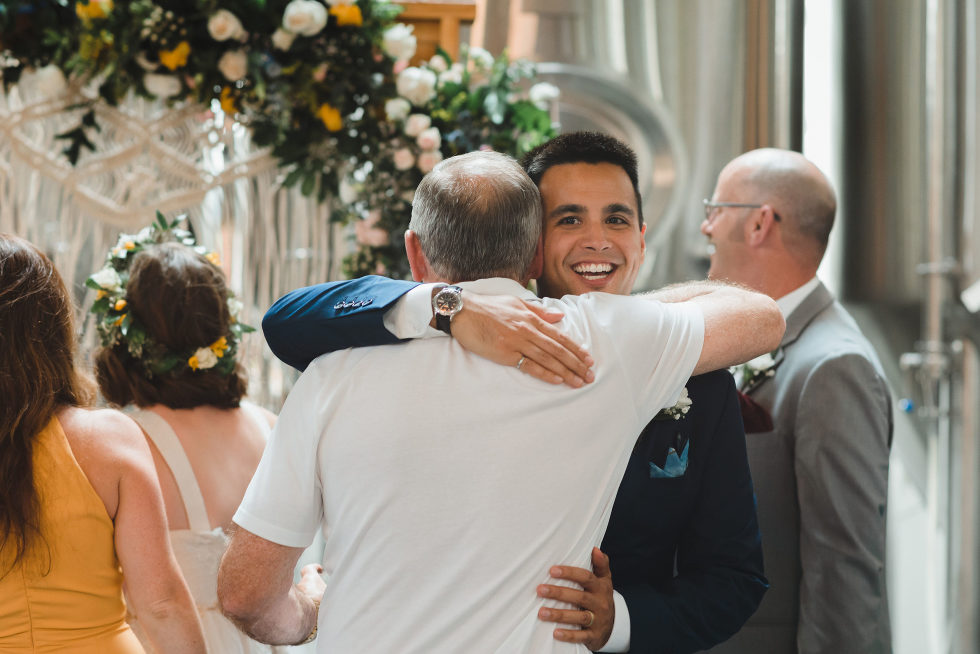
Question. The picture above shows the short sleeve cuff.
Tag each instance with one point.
(619, 639)
(273, 533)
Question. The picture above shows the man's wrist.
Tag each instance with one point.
(316, 622)
(619, 639)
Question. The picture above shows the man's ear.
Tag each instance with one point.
(537, 262)
(416, 258)
(758, 226)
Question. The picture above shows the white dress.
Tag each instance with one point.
(199, 549)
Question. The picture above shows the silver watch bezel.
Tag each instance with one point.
(445, 295)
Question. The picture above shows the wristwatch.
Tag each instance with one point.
(446, 304)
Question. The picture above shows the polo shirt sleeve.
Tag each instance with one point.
(283, 502)
(657, 345)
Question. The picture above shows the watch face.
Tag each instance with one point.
(448, 302)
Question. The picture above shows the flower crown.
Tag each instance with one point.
(116, 324)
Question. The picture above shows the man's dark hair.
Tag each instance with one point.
(584, 147)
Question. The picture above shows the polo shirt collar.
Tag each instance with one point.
(499, 286)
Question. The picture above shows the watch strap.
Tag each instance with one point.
(444, 323)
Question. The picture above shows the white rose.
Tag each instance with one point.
(224, 25)
(206, 358)
(397, 109)
(438, 64)
(347, 192)
(282, 39)
(50, 81)
(428, 160)
(398, 42)
(429, 139)
(304, 17)
(684, 401)
(454, 75)
(542, 94)
(416, 124)
(403, 159)
(416, 85)
(235, 307)
(233, 65)
(481, 58)
(108, 279)
(162, 86)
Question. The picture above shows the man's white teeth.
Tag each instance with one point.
(594, 268)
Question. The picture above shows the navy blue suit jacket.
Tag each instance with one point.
(684, 549)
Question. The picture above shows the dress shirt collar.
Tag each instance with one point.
(788, 303)
(498, 286)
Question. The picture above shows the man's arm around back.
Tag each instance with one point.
(739, 324)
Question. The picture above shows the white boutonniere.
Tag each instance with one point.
(753, 372)
(679, 410)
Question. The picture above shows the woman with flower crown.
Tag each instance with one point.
(80, 508)
(170, 334)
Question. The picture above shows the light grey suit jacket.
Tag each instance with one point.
(821, 479)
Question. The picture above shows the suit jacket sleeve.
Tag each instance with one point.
(311, 321)
(720, 579)
(843, 432)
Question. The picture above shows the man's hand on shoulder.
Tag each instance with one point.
(512, 332)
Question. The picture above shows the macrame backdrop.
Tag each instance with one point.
(184, 159)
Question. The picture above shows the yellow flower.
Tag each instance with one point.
(119, 305)
(192, 362)
(100, 294)
(213, 258)
(219, 347)
(93, 9)
(129, 245)
(347, 15)
(174, 59)
(120, 319)
(227, 102)
(330, 117)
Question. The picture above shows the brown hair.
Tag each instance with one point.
(37, 378)
(182, 301)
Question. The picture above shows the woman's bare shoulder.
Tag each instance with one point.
(103, 432)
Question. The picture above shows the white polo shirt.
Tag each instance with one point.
(447, 486)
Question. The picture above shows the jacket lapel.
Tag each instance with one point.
(818, 300)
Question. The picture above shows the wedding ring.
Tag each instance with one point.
(521, 362)
(591, 619)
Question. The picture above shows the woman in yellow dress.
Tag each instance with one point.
(80, 507)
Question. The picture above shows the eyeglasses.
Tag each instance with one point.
(709, 208)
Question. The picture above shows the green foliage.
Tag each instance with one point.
(287, 94)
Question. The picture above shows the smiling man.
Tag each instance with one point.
(686, 498)
(583, 252)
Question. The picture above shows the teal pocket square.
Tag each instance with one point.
(674, 466)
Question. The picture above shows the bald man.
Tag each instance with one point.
(821, 474)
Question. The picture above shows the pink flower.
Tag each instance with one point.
(367, 231)
(416, 124)
(403, 159)
(428, 160)
(429, 139)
